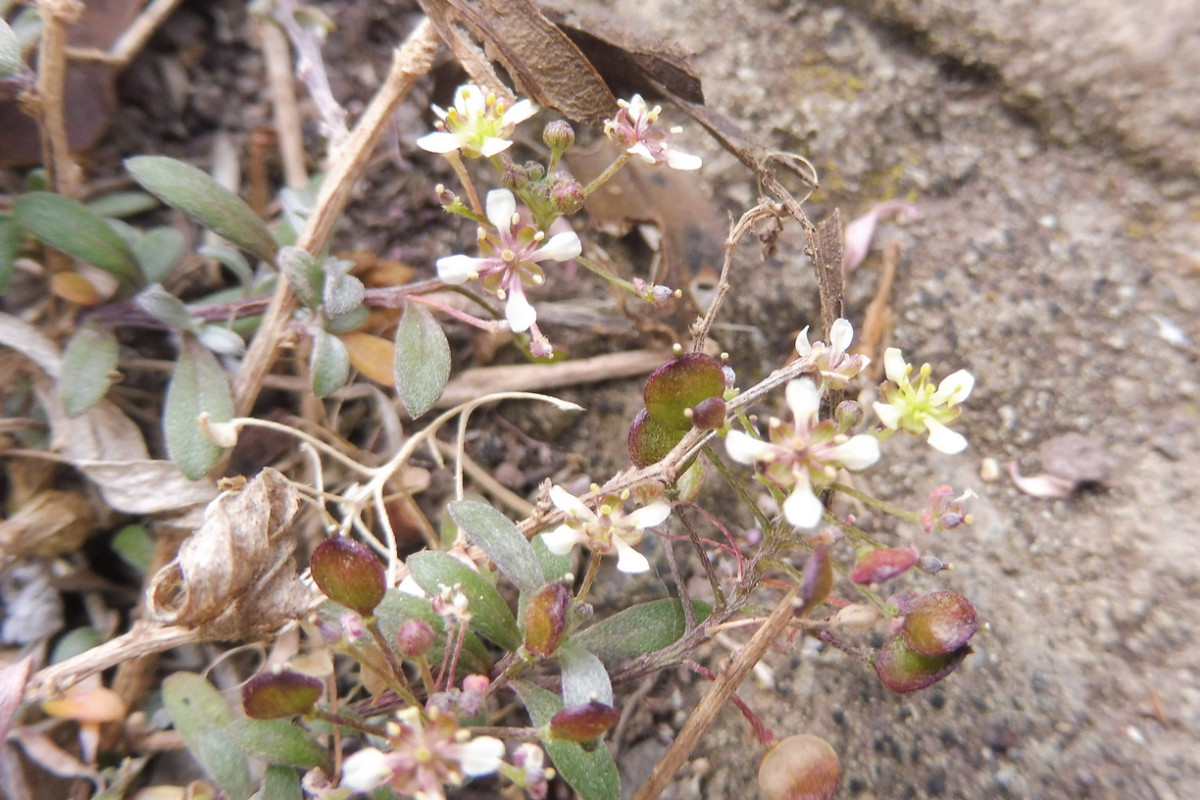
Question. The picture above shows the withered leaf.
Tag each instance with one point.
(236, 576)
(542, 62)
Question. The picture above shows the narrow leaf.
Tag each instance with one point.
(10, 52)
(158, 253)
(10, 240)
(123, 204)
(370, 355)
(89, 365)
(591, 773)
(281, 783)
(422, 359)
(71, 227)
(198, 385)
(196, 194)
(303, 273)
(165, 307)
(330, 364)
(640, 629)
(584, 678)
(201, 715)
(277, 741)
(232, 258)
(342, 293)
(490, 615)
(503, 542)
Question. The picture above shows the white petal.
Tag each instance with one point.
(802, 508)
(628, 559)
(365, 770)
(802, 345)
(562, 540)
(481, 756)
(518, 112)
(641, 151)
(894, 365)
(954, 388)
(501, 205)
(561, 247)
(841, 334)
(470, 99)
(943, 439)
(745, 449)
(888, 414)
(459, 269)
(493, 145)
(440, 142)
(683, 161)
(565, 501)
(520, 314)
(803, 399)
(649, 516)
(859, 453)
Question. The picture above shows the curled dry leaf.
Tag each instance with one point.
(236, 576)
(1070, 461)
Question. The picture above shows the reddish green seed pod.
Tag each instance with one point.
(708, 415)
(800, 767)
(350, 574)
(883, 564)
(816, 580)
(904, 671)
(272, 695)
(939, 623)
(583, 723)
(546, 618)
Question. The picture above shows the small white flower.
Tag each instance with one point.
(478, 124)
(365, 770)
(802, 454)
(921, 408)
(606, 530)
(633, 128)
(836, 366)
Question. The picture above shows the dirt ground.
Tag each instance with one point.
(1053, 151)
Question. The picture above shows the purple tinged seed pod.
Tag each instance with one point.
(903, 671)
(583, 723)
(350, 574)
(800, 767)
(275, 694)
(939, 623)
(546, 618)
(883, 564)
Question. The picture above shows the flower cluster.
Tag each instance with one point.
(920, 407)
(633, 128)
(606, 530)
(806, 453)
(478, 124)
(511, 254)
(423, 757)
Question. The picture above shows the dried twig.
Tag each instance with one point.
(285, 110)
(62, 173)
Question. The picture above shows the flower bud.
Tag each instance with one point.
(559, 136)
(903, 671)
(709, 414)
(583, 723)
(816, 580)
(567, 194)
(415, 638)
(883, 564)
(800, 767)
(280, 693)
(849, 414)
(349, 573)
(939, 623)
(546, 618)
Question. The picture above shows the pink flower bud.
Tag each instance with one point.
(350, 574)
(708, 415)
(558, 135)
(801, 767)
(415, 638)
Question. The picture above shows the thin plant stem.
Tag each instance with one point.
(465, 179)
(875, 502)
(589, 577)
(603, 177)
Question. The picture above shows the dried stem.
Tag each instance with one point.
(284, 108)
(62, 173)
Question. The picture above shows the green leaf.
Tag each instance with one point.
(123, 204)
(398, 607)
(135, 545)
(591, 773)
(342, 293)
(10, 52)
(503, 542)
(201, 716)
(88, 366)
(278, 741)
(304, 274)
(640, 629)
(584, 678)
(330, 364)
(71, 227)
(280, 783)
(490, 615)
(232, 258)
(76, 642)
(554, 567)
(10, 241)
(196, 194)
(422, 359)
(159, 252)
(198, 385)
(165, 307)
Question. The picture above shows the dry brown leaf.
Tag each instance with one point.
(236, 576)
(47, 524)
(542, 62)
(13, 678)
